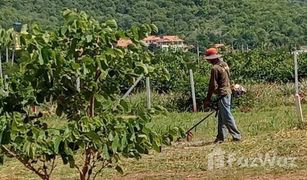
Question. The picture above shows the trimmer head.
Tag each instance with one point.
(189, 136)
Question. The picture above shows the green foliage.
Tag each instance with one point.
(270, 23)
(276, 65)
(255, 66)
(260, 65)
(176, 64)
(49, 67)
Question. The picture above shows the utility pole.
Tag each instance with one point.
(193, 90)
(297, 95)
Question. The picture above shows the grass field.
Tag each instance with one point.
(270, 131)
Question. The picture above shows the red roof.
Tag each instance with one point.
(171, 39)
(151, 38)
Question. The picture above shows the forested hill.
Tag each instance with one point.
(234, 22)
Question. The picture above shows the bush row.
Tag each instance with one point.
(248, 68)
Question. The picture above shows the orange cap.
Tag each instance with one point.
(212, 53)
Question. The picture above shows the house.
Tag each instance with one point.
(124, 43)
(151, 39)
(165, 42)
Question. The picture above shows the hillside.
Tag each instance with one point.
(249, 23)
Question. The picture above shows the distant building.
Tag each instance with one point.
(165, 42)
(124, 43)
(151, 39)
(218, 45)
(303, 47)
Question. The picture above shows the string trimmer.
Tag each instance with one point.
(213, 106)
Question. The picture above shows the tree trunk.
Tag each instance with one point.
(84, 174)
(45, 177)
(82, 177)
(92, 107)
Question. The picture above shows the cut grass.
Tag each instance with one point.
(252, 124)
(270, 131)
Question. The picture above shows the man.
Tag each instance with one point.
(220, 85)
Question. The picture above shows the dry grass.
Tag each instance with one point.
(270, 131)
(271, 127)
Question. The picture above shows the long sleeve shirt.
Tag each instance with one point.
(219, 80)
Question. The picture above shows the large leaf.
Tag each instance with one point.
(106, 152)
(89, 38)
(56, 144)
(125, 105)
(154, 28)
(93, 137)
(143, 66)
(5, 136)
(116, 143)
(119, 169)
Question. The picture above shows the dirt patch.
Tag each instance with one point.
(163, 175)
(204, 175)
(301, 175)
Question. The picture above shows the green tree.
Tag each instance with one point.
(83, 50)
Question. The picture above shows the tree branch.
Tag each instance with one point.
(92, 99)
(45, 168)
(92, 165)
(24, 162)
(52, 167)
(99, 171)
(87, 161)
(79, 170)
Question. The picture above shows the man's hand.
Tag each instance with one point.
(206, 103)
